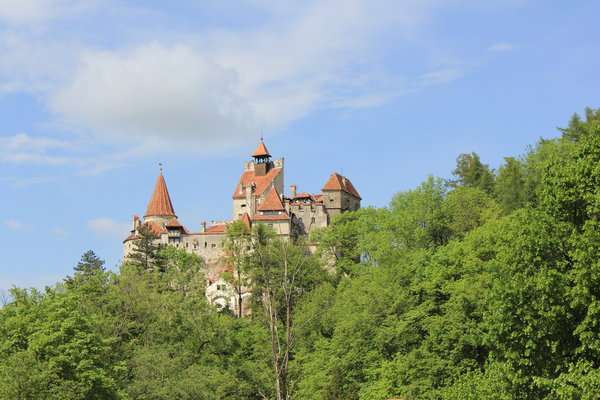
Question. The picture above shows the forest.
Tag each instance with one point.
(482, 286)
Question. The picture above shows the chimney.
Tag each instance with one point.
(293, 191)
(135, 224)
(203, 226)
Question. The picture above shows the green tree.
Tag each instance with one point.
(237, 245)
(578, 129)
(282, 273)
(89, 263)
(469, 208)
(335, 390)
(470, 171)
(510, 185)
(146, 251)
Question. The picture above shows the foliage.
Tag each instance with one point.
(146, 251)
(470, 171)
(237, 257)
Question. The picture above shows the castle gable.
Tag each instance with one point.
(272, 202)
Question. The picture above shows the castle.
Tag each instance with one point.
(258, 198)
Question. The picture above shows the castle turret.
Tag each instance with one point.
(160, 208)
(339, 195)
(262, 160)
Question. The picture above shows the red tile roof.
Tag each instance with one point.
(246, 220)
(173, 223)
(270, 217)
(262, 183)
(215, 229)
(301, 195)
(318, 198)
(261, 151)
(272, 202)
(155, 228)
(339, 182)
(160, 203)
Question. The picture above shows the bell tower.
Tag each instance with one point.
(262, 159)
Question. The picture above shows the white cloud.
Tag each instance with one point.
(22, 148)
(501, 46)
(34, 11)
(16, 225)
(25, 10)
(156, 95)
(443, 75)
(60, 234)
(107, 228)
(216, 89)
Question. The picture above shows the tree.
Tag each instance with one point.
(146, 250)
(335, 390)
(578, 129)
(469, 208)
(281, 273)
(237, 246)
(419, 218)
(470, 171)
(89, 263)
(510, 185)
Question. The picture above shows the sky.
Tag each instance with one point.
(94, 94)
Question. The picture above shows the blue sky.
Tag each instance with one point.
(94, 94)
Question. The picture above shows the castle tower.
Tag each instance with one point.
(259, 177)
(160, 209)
(339, 195)
(262, 160)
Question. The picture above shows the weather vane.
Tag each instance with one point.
(160, 166)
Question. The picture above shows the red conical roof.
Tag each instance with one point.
(261, 151)
(160, 203)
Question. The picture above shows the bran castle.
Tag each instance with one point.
(258, 198)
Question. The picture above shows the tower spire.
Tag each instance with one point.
(160, 202)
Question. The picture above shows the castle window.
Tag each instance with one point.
(299, 220)
(205, 244)
(213, 245)
(312, 220)
(270, 225)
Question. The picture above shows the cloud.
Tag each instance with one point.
(220, 88)
(156, 95)
(22, 148)
(107, 228)
(501, 46)
(16, 225)
(440, 76)
(34, 11)
(25, 10)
